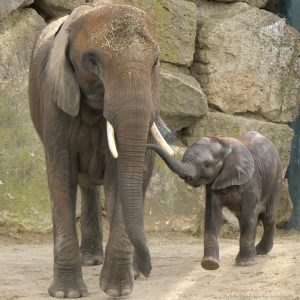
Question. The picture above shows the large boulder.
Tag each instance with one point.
(23, 184)
(57, 8)
(247, 61)
(175, 27)
(6, 7)
(182, 99)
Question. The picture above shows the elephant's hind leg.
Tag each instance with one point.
(91, 227)
(266, 243)
(268, 218)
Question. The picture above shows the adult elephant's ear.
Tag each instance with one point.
(60, 73)
(238, 165)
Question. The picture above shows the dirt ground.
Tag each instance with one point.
(26, 270)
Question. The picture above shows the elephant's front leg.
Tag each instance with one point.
(116, 277)
(67, 281)
(248, 225)
(91, 227)
(213, 222)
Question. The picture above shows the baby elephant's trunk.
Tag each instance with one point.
(182, 169)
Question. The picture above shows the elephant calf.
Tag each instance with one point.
(243, 175)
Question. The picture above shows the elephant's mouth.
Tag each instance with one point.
(188, 180)
(191, 181)
(94, 103)
(91, 98)
(196, 181)
(154, 131)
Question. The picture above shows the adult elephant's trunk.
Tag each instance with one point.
(182, 169)
(131, 160)
(130, 114)
(132, 138)
(129, 111)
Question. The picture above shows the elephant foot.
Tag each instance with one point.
(210, 263)
(245, 261)
(66, 288)
(91, 253)
(116, 278)
(91, 259)
(262, 249)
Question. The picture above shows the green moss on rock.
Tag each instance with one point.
(23, 184)
(175, 27)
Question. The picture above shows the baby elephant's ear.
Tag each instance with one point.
(238, 165)
(60, 74)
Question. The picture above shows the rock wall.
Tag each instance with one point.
(23, 185)
(226, 68)
(251, 55)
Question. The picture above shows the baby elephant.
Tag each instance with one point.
(243, 175)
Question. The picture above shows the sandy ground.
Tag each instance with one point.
(26, 270)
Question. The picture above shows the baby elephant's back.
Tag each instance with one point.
(265, 155)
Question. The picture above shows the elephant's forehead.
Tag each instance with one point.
(207, 146)
(125, 31)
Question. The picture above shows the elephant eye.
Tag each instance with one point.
(92, 59)
(207, 164)
(91, 62)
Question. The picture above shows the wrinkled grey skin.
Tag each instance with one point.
(97, 64)
(243, 175)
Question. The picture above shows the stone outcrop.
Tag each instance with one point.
(6, 7)
(182, 99)
(247, 60)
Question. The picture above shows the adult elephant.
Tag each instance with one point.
(93, 93)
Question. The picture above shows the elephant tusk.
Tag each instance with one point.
(111, 140)
(160, 140)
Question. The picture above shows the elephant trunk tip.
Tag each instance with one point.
(144, 263)
(142, 253)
